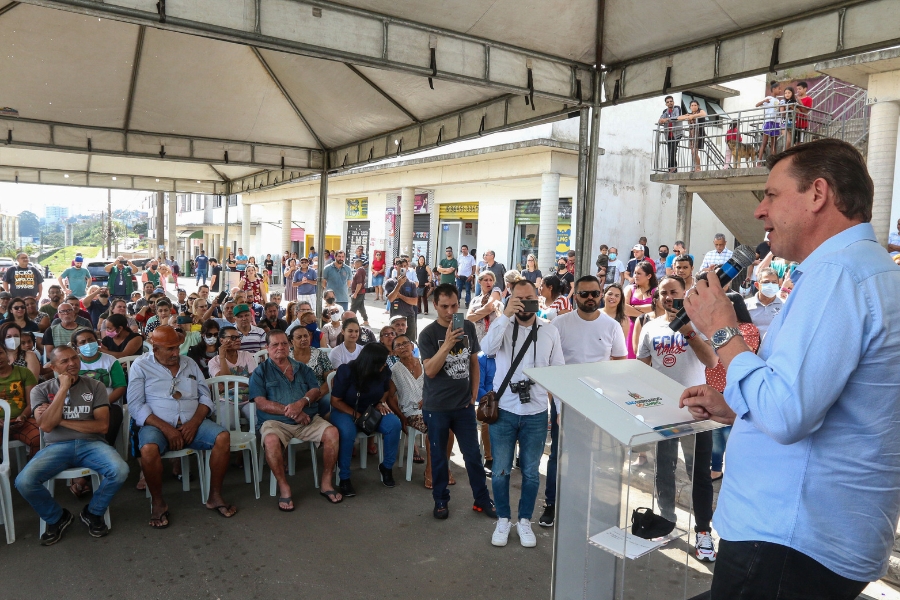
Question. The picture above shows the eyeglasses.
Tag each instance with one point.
(590, 294)
(389, 334)
(18, 307)
(172, 391)
(231, 338)
(65, 312)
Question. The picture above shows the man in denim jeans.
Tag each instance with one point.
(73, 413)
(450, 393)
(523, 406)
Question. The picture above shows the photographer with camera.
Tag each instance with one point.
(519, 340)
(120, 272)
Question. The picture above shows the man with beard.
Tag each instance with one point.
(587, 335)
(522, 405)
(337, 277)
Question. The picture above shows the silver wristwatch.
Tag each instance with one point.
(723, 336)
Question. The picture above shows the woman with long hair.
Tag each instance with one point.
(789, 108)
(120, 307)
(18, 314)
(348, 350)
(485, 307)
(639, 298)
(658, 311)
(378, 264)
(531, 272)
(290, 291)
(614, 307)
(118, 338)
(231, 262)
(424, 275)
(696, 133)
(362, 383)
(555, 302)
(303, 351)
(11, 334)
(207, 348)
(252, 283)
(42, 320)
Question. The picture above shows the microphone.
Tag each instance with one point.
(742, 258)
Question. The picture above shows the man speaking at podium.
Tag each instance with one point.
(810, 502)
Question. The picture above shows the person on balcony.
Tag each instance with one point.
(671, 130)
(696, 132)
(771, 125)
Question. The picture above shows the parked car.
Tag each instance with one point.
(5, 263)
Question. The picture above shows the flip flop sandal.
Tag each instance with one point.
(284, 501)
(159, 520)
(330, 494)
(219, 508)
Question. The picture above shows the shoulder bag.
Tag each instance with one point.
(489, 405)
(368, 421)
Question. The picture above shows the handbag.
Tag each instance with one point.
(648, 525)
(368, 420)
(489, 405)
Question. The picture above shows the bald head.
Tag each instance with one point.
(348, 315)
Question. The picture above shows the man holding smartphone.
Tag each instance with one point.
(523, 405)
(450, 392)
(402, 300)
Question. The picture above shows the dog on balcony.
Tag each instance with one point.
(739, 152)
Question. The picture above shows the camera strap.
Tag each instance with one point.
(532, 336)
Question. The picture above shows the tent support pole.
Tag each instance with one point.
(320, 230)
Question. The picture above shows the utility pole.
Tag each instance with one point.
(108, 223)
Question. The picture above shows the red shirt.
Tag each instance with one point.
(802, 121)
(378, 266)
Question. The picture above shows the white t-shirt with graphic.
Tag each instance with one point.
(589, 341)
(670, 354)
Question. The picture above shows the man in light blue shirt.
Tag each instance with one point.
(241, 260)
(811, 497)
(336, 277)
(894, 241)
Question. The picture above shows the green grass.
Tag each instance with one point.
(61, 260)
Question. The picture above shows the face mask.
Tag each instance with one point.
(12, 343)
(663, 254)
(312, 327)
(335, 317)
(329, 300)
(210, 340)
(769, 290)
(612, 256)
(745, 291)
(110, 333)
(89, 349)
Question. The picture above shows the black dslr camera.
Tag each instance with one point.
(523, 389)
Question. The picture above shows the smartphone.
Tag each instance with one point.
(401, 272)
(221, 297)
(678, 303)
(530, 306)
(458, 320)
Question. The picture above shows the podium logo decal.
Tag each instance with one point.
(641, 402)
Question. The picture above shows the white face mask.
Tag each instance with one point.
(12, 343)
(335, 316)
(769, 290)
(210, 341)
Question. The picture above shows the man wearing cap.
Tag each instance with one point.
(121, 274)
(22, 280)
(638, 251)
(305, 282)
(182, 307)
(76, 278)
(254, 338)
(169, 400)
(398, 322)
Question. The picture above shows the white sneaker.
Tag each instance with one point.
(526, 535)
(704, 548)
(501, 532)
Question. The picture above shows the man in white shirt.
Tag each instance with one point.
(465, 273)
(719, 256)
(523, 406)
(765, 304)
(587, 335)
(683, 356)
(615, 272)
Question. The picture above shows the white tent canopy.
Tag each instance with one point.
(228, 96)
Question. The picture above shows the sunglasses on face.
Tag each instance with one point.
(589, 294)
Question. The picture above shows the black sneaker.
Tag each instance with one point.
(55, 531)
(387, 477)
(96, 525)
(489, 467)
(546, 519)
(486, 509)
(346, 488)
(441, 511)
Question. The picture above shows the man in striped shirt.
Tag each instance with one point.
(719, 256)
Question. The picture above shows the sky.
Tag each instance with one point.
(18, 197)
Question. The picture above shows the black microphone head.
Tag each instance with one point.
(744, 256)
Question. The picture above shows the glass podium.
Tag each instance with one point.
(611, 413)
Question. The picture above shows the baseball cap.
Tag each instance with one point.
(396, 318)
(240, 308)
(79, 258)
(159, 290)
(637, 247)
(5, 295)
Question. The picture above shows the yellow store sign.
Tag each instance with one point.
(459, 211)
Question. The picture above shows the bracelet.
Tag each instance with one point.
(690, 336)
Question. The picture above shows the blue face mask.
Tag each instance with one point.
(769, 290)
(612, 256)
(312, 327)
(89, 349)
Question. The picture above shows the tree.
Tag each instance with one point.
(29, 224)
(140, 228)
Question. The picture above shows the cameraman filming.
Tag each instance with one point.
(523, 404)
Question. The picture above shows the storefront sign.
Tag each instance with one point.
(563, 240)
(459, 211)
(389, 221)
(357, 235)
(357, 208)
(420, 204)
(297, 234)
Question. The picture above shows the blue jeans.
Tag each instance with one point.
(201, 274)
(530, 431)
(462, 422)
(550, 487)
(720, 439)
(389, 428)
(96, 455)
(205, 438)
(463, 283)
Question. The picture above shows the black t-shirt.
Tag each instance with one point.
(567, 280)
(23, 282)
(399, 306)
(763, 250)
(532, 276)
(217, 273)
(451, 388)
(269, 264)
(110, 344)
(633, 263)
(95, 309)
(344, 388)
(279, 324)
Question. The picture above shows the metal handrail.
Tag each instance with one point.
(733, 140)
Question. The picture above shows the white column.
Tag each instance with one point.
(245, 228)
(172, 240)
(286, 209)
(407, 215)
(683, 216)
(549, 221)
(216, 247)
(883, 126)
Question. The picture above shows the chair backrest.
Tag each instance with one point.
(126, 361)
(4, 405)
(148, 348)
(329, 378)
(230, 416)
(261, 356)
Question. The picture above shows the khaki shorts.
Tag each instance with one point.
(312, 432)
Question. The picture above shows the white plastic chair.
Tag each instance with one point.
(261, 356)
(6, 511)
(410, 434)
(126, 361)
(148, 348)
(19, 448)
(228, 415)
(68, 474)
(361, 437)
(184, 454)
(125, 434)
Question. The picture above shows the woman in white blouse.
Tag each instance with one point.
(349, 350)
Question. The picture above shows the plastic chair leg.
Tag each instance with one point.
(255, 474)
(6, 507)
(186, 474)
(363, 451)
(248, 476)
(410, 450)
(291, 466)
(379, 439)
(315, 464)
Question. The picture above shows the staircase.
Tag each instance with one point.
(846, 103)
